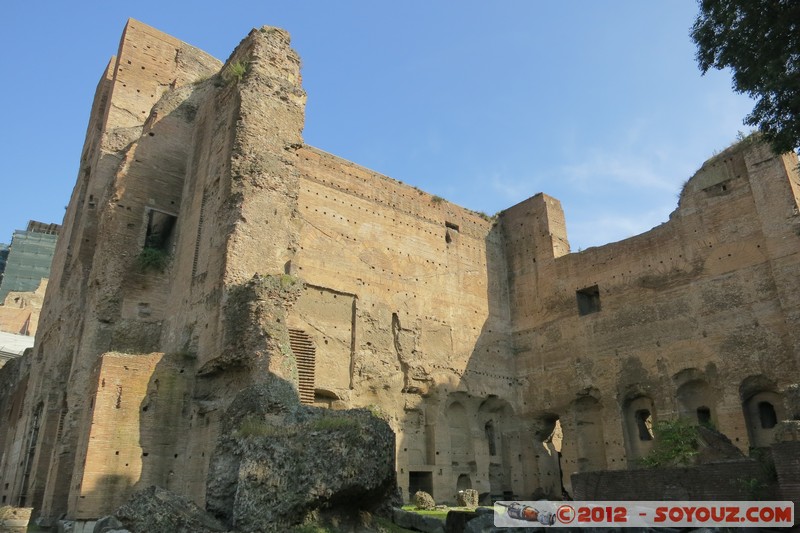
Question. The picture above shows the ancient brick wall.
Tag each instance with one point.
(731, 481)
(787, 465)
(504, 362)
(14, 378)
(105, 224)
(427, 319)
(688, 316)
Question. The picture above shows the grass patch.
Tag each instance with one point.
(435, 199)
(252, 426)
(332, 423)
(288, 281)
(154, 259)
(378, 412)
(235, 71)
(441, 514)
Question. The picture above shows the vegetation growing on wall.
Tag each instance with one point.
(235, 71)
(253, 426)
(675, 443)
(152, 259)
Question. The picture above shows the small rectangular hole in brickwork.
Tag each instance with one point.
(588, 300)
(719, 189)
(420, 481)
(160, 227)
(451, 232)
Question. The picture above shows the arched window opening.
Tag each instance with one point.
(767, 415)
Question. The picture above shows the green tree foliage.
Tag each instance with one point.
(760, 41)
(675, 443)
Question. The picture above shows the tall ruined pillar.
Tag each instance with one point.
(255, 218)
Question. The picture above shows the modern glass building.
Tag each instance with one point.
(28, 258)
(3, 258)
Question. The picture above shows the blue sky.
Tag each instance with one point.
(599, 104)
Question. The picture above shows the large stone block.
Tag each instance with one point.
(154, 509)
(278, 462)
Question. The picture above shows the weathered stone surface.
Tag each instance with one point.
(278, 461)
(107, 524)
(14, 519)
(497, 356)
(792, 401)
(787, 431)
(255, 316)
(456, 521)
(154, 509)
(417, 522)
(484, 523)
(423, 500)
(467, 498)
(714, 447)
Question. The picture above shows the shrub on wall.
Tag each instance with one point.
(152, 259)
(675, 443)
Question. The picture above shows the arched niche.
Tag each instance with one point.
(589, 434)
(460, 433)
(638, 418)
(496, 418)
(763, 408)
(697, 402)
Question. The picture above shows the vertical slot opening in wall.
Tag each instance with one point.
(644, 423)
(305, 353)
(489, 431)
(588, 300)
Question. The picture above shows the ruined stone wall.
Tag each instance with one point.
(14, 377)
(85, 309)
(730, 481)
(407, 290)
(692, 318)
(136, 401)
(206, 247)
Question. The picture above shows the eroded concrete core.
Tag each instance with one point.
(206, 248)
